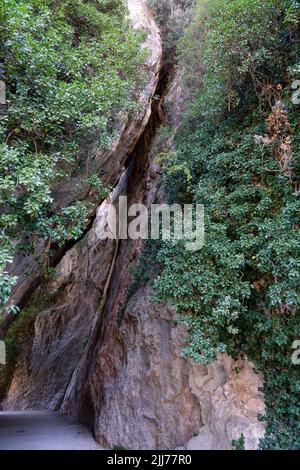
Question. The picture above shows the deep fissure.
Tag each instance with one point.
(60, 251)
(139, 160)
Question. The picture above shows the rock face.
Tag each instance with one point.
(60, 333)
(230, 399)
(146, 396)
(147, 401)
(107, 355)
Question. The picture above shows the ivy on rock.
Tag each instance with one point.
(237, 152)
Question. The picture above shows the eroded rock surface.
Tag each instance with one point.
(230, 399)
(115, 361)
(146, 396)
(140, 384)
(60, 333)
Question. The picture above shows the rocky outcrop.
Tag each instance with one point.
(146, 396)
(62, 333)
(106, 354)
(230, 398)
(140, 383)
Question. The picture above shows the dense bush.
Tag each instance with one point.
(70, 67)
(240, 144)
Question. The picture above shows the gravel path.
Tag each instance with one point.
(43, 431)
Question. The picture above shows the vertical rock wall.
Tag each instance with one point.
(126, 376)
(61, 332)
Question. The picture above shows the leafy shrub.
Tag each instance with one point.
(70, 68)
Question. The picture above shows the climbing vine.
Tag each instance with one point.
(240, 145)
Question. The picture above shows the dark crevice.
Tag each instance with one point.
(139, 162)
(131, 161)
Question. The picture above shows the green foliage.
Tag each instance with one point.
(96, 184)
(239, 444)
(237, 44)
(6, 283)
(240, 293)
(70, 69)
(172, 16)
